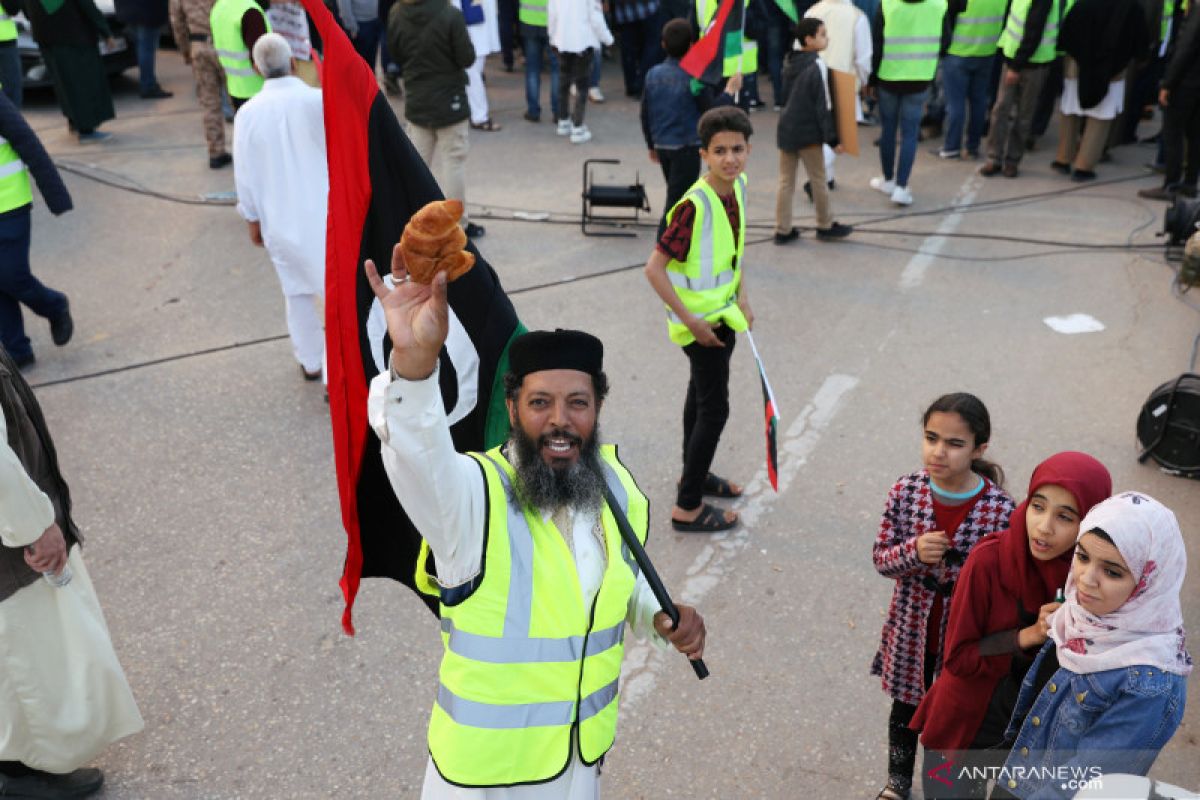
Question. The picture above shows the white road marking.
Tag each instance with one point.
(1075, 323)
(914, 272)
(642, 660)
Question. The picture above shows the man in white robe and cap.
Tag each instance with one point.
(282, 190)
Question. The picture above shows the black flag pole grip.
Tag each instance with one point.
(643, 561)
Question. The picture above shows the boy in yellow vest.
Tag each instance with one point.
(696, 269)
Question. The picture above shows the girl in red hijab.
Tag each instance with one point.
(997, 623)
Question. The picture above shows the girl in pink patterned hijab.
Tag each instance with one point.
(1122, 606)
(1119, 693)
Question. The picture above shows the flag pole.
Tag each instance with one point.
(741, 49)
(643, 560)
(763, 372)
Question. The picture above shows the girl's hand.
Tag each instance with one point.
(1037, 633)
(932, 546)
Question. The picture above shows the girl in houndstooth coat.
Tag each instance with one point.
(932, 519)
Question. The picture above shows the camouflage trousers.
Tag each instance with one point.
(209, 80)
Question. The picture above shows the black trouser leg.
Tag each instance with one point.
(681, 169)
(705, 412)
(902, 746)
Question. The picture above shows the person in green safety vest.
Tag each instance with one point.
(22, 154)
(697, 270)
(11, 79)
(907, 37)
(236, 25)
(536, 583)
(535, 43)
(1029, 44)
(975, 28)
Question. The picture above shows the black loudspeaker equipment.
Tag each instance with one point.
(1181, 220)
(1168, 426)
(595, 195)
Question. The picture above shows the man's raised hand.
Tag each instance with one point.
(418, 317)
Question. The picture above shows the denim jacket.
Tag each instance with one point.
(669, 109)
(1083, 725)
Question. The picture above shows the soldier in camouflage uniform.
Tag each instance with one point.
(189, 21)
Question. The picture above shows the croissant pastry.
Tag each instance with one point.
(433, 242)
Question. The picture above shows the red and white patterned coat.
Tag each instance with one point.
(908, 513)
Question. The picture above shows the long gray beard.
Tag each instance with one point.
(538, 485)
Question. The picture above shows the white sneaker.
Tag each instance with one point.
(564, 127)
(595, 95)
(901, 196)
(580, 135)
(880, 185)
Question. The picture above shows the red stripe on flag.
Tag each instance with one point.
(710, 46)
(346, 113)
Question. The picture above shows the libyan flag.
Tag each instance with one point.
(720, 41)
(771, 413)
(377, 181)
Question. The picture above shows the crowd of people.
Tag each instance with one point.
(1022, 641)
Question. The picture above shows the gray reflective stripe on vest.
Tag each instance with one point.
(622, 497)
(671, 314)
(240, 73)
(957, 39)
(705, 281)
(519, 610)
(1016, 26)
(5, 18)
(236, 55)
(929, 56)
(597, 701)
(493, 650)
(521, 715)
(11, 168)
(979, 20)
(911, 40)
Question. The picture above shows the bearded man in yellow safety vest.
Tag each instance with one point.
(535, 581)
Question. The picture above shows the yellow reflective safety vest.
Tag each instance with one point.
(1014, 31)
(525, 664)
(15, 190)
(708, 281)
(8, 28)
(977, 29)
(747, 62)
(912, 36)
(225, 20)
(533, 12)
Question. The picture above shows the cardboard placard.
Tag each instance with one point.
(844, 86)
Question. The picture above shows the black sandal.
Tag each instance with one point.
(710, 520)
(487, 125)
(716, 486)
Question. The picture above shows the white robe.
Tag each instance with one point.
(63, 695)
(442, 492)
(282, 179)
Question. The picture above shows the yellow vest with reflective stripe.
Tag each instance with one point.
(8, 28)
(747, 62)
(533, 12)
(708, 281)
(225, 19)
(977, 29)
(1014, 31)
(525, 664)
(15, 190)
(912, 36)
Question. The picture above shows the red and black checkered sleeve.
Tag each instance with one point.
(677, 238)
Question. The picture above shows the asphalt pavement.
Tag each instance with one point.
(201, 463)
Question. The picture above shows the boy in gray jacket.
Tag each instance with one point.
(805, 124)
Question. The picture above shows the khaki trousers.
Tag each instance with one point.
(444, 151)
(813, 157)
(210, 80)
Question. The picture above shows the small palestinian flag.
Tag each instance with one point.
(772, 414)
(720, 43)
(377, 181)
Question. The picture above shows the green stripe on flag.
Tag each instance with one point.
(789, 9)
(733, 44)
(496, 426)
